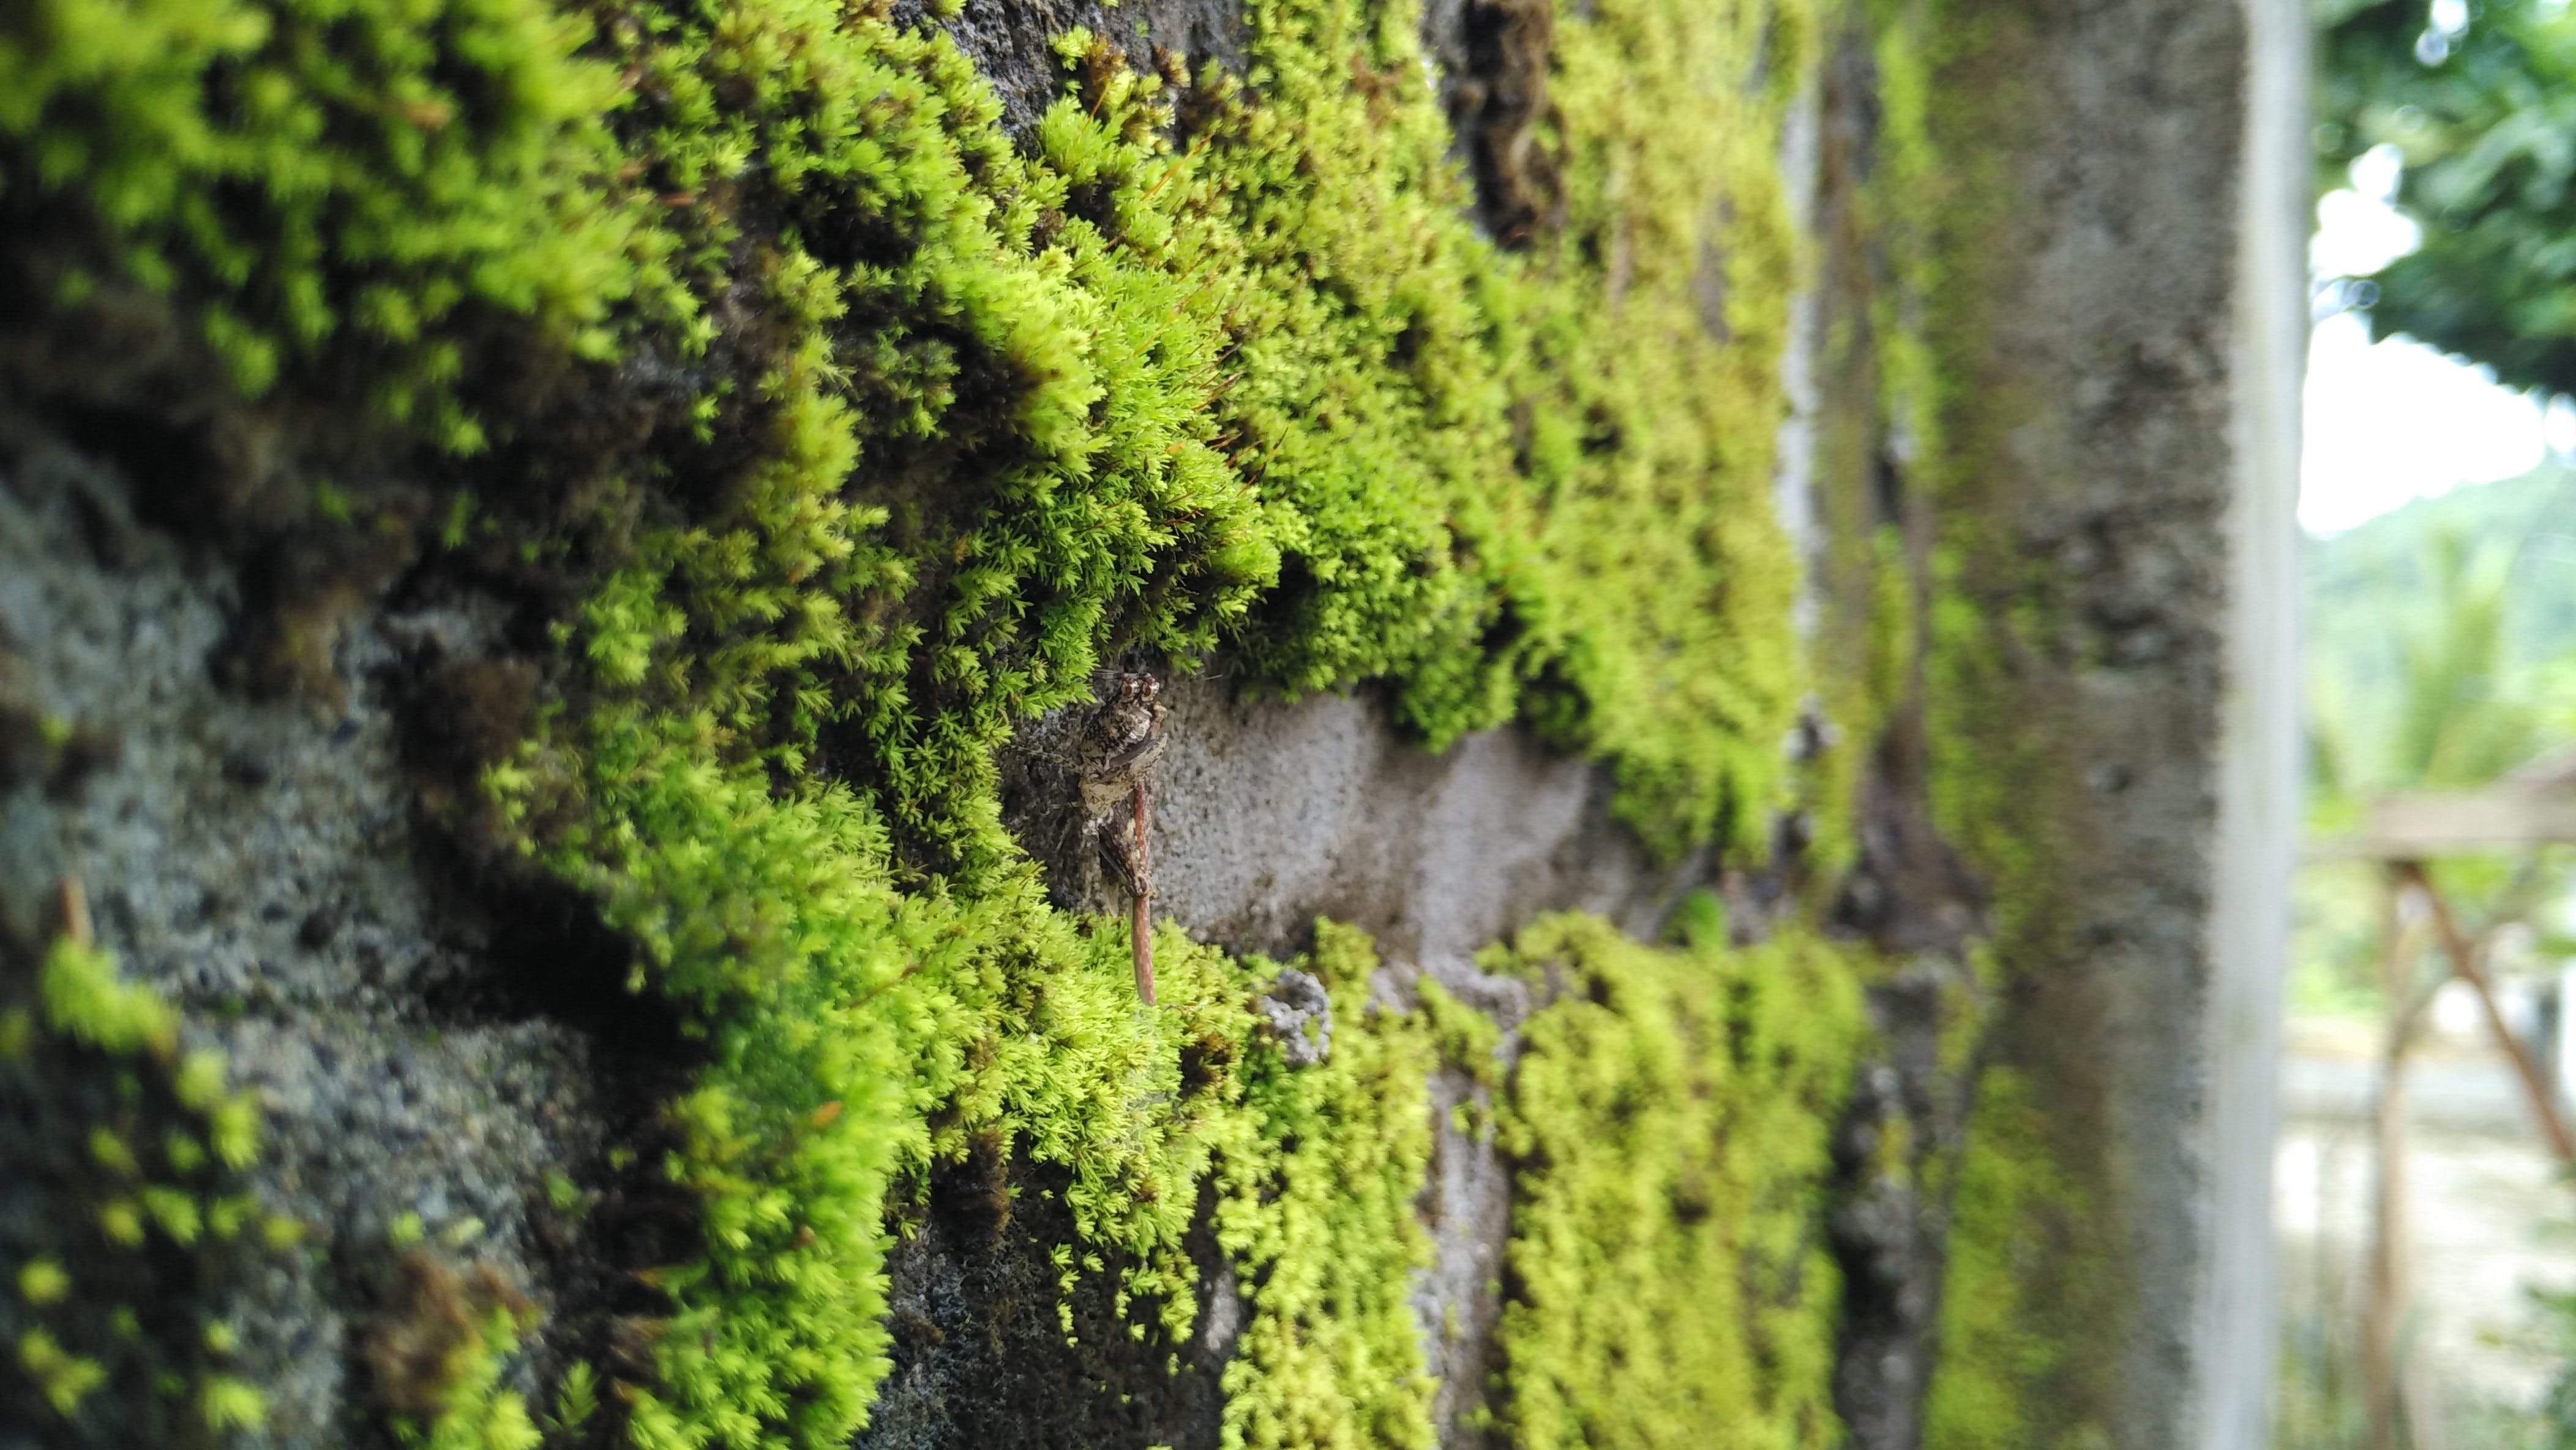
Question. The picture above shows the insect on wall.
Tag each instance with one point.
(1120, 746)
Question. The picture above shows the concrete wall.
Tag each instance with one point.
(2072, 810)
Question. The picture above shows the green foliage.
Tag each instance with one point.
(1671, 1116)
(2438, 640)
(2556, 1411)
(2454, 689)
(2455, 723)
(2486, 122)
(109, 1319)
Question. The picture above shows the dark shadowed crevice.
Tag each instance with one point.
(983, 1355)
(1494, 57)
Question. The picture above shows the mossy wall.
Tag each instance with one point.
(2074, 443)
(694, 446)
(2028, 365)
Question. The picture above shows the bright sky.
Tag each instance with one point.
(2394, 421)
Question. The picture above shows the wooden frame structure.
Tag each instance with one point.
(2531, 808)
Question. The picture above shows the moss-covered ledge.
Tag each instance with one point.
(692, 441)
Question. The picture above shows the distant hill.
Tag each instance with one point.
(2367, 588)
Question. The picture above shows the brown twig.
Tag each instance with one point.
(1114, 766)
(1141, 922)
(76, 922)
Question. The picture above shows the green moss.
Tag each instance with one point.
(1274, 344)
(841, 1012)
(1671, 1116)
(225, 1404)
(84, 1001)
(2026, 1290)
(1318, 1217)
(329, 184)
(1125, 492)
(96, 1075)
(62, 1378)
(2034, 1311)
(41, 1281)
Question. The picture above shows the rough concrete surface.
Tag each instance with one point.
(1268, 815)
(2101, 411)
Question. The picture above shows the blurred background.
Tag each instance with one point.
(2423, 1200)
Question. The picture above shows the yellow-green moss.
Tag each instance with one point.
(2025, 1288)
(1273, 344)
(474, 1412)
(1317, 1214)
(328, 183)
(1671, 1117)
(141, 1145)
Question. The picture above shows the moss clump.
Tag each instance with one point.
(1175, 357)
(1485, 431)
(1671, 1116)
(1319, 1221)
(2021, 1287)
(440, 1352)
(2034, 1310)
(474, 1412)
(841, 1013)
(333, 190)
(115, 1329)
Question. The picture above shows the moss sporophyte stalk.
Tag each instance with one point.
(931, 426)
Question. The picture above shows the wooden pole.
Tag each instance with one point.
(2387, 1305)
(2464, 965)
